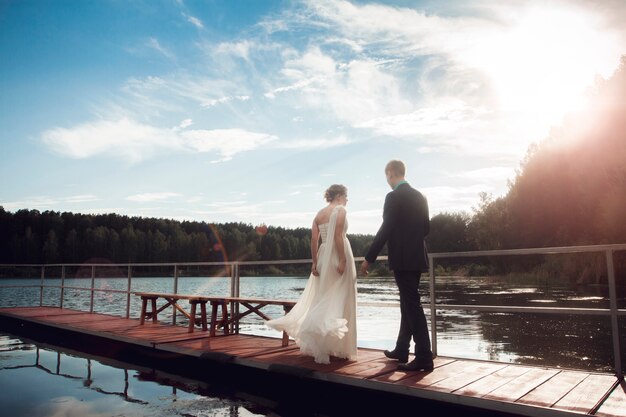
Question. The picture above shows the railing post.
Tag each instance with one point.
(234, 292)
(43, 273)
(433, 306)
(130, 268)
(175, 292)
(617, 353)
(233, 285)
(62, 284)
(93, 285)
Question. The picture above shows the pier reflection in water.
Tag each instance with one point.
(40, 381)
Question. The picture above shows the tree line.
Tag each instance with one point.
(31, 236)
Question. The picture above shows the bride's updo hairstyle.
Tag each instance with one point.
(334, 191)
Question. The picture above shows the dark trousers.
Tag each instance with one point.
(412, 321)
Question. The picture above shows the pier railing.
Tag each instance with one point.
(613, 311)
(233, 270)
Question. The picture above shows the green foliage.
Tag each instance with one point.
(449, 233)
(30, 236)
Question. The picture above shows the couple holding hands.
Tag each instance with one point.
(323, 321)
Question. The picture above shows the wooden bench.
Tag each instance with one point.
(251, 305)
(172, 300)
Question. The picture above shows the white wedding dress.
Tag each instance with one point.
(323, 321)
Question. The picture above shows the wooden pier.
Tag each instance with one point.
(472, 387)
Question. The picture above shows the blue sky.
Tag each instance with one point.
(247, 111)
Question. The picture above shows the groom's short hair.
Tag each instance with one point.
(396, 167)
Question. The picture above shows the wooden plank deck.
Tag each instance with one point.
(500, 387)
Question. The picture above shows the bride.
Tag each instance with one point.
(323, 321)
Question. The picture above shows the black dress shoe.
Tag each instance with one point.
(417, 365)
(394, 354)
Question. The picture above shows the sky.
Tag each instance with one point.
(246, 111)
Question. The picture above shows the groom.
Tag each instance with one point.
(405, 224)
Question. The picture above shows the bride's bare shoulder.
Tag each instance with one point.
(322, 216)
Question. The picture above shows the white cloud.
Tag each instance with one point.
(442, 120)
(47, 202)
(451, 126)
(34, 203)
(453, 198)
(121, 138)
(296, 86)
(222, 100)
(352, 44)
(168, 94)
(239, 49)
(494, 174)
(226, 205)
(314, 143)
(135, 141)
(354, 91)
(149, 197)
(194, 21)
(227, 142)
(268, 212)
(394, 30)
(365, 221)
(195, 199)
(185, 123)
(154, 44)
(274, 25)
(85, 198)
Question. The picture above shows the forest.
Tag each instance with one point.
(570, 189)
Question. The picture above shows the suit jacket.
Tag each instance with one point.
(405, 225)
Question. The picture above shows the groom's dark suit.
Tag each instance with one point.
(405, 225)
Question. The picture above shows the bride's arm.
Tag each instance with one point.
(339, 245)
(315, 237)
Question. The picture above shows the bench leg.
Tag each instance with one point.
(144, 304)
(192, 317)
(203, 315)
(225, 317)
(214, 307)
(154, 310)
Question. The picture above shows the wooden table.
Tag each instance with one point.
(172, 300)
(226, 319)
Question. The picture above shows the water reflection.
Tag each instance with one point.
(46, 381)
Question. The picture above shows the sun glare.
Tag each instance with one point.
(542, 65)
